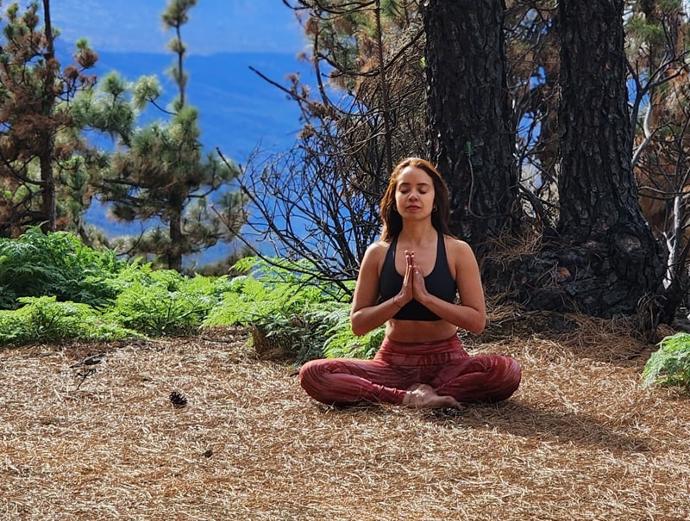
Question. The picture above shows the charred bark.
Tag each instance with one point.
(603, 260)
(471, 136)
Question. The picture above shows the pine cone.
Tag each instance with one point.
(178, 399)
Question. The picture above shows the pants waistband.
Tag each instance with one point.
(421, 353)
(437, 346)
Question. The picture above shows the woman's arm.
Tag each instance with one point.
(471, 313)
(366, 315)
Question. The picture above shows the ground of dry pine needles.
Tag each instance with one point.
(579, 440)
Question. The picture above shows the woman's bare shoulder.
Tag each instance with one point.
(377, 250)
(373, 258)
(457, 248)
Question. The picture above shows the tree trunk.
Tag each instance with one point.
(175, 255)
(600, 212)
(48, 203)
(471, 136)
(603, 261)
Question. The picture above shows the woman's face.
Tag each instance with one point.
(414, 193)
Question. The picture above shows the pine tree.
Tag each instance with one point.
(44, 161)
(161, 173)
(578, 278)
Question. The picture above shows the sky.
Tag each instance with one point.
(214, 26)
(225, 35)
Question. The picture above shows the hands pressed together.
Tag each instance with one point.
(413, 283)
(419, 396)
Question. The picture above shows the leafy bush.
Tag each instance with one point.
(56, 264)
(46, 320)
(268, 292)
(129, 295)
(670, 365)
(341, 342)
(71, 291)
(278, 312)
(158, 310)
(306, 318)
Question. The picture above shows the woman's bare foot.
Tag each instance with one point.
(421, 388)
(422, 396)
(414, 395)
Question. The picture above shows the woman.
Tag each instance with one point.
(409, 279)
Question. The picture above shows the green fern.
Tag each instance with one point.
(46, 320)
(57, 264)
(338, 339)
(155, 310)
(268, 291)
(62, 289)
(670, 365)
(289, 307)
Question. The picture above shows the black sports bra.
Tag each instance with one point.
(439, 282)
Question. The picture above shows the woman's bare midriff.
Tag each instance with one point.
(419, 330)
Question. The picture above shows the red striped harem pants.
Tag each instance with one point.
(445, 365)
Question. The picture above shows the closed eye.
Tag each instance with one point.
(421, 192)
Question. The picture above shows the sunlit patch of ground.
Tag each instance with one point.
(579, 440)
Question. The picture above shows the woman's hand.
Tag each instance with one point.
(419, 290)
(406, 292)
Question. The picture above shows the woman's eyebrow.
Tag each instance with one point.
(418, 184)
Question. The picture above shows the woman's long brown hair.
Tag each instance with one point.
(392, 222)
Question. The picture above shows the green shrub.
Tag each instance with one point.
(46, 320)
(157, 310)
(131, 296)
(341, 342)
(670, 365)
(143, 274)
(57, 264)
(71, 291)
(278, 312)
(268, 293)
(163, 302)
(306, 318)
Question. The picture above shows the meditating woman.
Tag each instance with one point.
(409, 279)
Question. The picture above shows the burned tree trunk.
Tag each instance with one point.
(603, 260)
(471, 139)
(614, 258)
